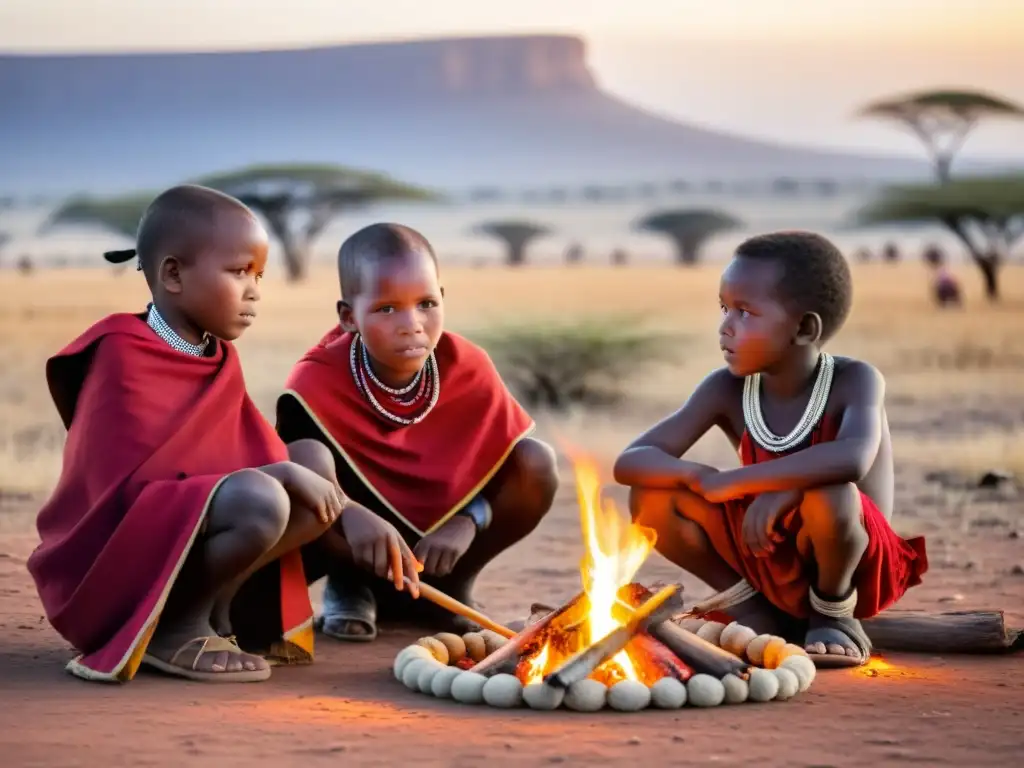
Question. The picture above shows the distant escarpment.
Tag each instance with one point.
(449, 112)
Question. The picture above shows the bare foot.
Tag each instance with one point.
(843, 638)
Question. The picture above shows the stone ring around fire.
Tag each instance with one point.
(442, 666)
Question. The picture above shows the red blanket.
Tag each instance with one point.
(152, 433)
(890, 566)
(423, 473)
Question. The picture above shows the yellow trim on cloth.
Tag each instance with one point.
(380, 497)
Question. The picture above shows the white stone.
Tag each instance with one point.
(411, 673)
(426, 676)
(543, 696)
(735, 639)
(705, 691)
(789, 684)
(468, 688)
(668, 693)
(711, 631)
(755, 649)
(586, 696)
(736, 690)
(763, 685)
(503, 691)
(441, 685)
(629, 696)
(803, 668)
(406, 655)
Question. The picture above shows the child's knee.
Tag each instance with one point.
(832, 510)
(313, 455)
(537, 464)
(648, 506)
(257, 504)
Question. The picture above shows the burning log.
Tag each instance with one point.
(695, 651)
(510, 651)
(580, 666)
(668, 664)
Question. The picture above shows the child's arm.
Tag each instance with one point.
(653, 459)
(860, 393)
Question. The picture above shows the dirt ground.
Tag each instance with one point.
(950, 420)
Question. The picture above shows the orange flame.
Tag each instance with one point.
(615, 548)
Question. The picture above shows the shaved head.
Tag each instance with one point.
(371, 246)
(178, 223)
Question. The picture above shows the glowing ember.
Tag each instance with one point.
(615, 549)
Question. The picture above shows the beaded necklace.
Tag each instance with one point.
(753, 416)
(425, 388)
(156, 321)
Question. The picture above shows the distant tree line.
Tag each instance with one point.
(299, 201)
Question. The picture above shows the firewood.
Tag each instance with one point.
(509, 652)
(581, 665)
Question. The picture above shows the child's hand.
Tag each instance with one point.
(441, 550)
(311, 490)
(759, 535)
(697, 476)
(379, 548)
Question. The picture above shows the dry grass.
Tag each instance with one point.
(966, 367)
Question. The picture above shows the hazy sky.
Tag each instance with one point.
(787, 69)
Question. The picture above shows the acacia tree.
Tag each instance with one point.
(516, 235)
(985, 213)
(689, 229)
(942, 119)
(297, 202)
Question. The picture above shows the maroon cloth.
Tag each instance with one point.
(423, 472)
(889, 567)
(151, 434)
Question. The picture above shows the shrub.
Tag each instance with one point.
(588, 362)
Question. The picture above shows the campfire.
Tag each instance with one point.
(615, 642)
(614, 551)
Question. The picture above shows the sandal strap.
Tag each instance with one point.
(208, 644)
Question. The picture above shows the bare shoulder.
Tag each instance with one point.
(719, 387)
(857, 382)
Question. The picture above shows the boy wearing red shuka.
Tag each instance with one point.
(422, 431)
(175, 490)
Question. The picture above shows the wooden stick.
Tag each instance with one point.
(512, 648)
(581, 665)
(695, 652)
(698, 653)
(438, 597)
(952, 632)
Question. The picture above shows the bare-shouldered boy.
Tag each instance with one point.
(799, 536)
